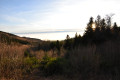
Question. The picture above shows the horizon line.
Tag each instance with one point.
(49, 31)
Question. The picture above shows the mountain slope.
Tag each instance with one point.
(9, 38)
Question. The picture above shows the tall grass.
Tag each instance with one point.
(11, 61)
(18, 61)
(95, 61)
(83, 60)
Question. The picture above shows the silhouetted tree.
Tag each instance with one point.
(101, 33)
(67, 37)
(76, 40)
(97, 22)
(58, 45)
(97, 32)
(102, 25)
(68, 42)
(108, 26)
(115, 30)
(88, 35)
(89, 30)
(108, 21)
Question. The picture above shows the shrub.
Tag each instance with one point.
(27, 54)
(51, 66)
(31, 63)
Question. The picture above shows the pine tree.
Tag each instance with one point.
(88, 35)
(115, 30)
(68, 42)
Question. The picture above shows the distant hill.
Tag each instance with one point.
(32, 39)
(9, 38)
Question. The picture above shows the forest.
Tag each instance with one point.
(93, 56)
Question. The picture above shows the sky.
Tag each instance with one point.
(22, 16)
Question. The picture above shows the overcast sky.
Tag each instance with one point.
(39, 15)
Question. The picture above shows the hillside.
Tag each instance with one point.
(9, 38)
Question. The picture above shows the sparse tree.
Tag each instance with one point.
(109, 20)
(97, 22)
(102, 25)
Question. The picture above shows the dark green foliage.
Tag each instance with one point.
(52, 66)
(44, 46)
(68, 43)
(58, 45)
(55, 67)
(28, 54)
(52, 45)
(31, 63)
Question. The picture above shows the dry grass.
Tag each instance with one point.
(93, 62)
(83, 59)
(41, 53)
(96, 62)
(11, 61)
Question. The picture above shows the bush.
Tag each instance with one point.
(31, 63)
(51, 66)
(27, 54)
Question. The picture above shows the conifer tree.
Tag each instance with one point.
(67, 44)
(115, 30)
(88, 35)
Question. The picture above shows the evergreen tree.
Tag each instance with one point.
(58, 45)
(99, 30)
(97, 22)
(89, 30)
(115, 30)
(88, 35)
(68, 42)
(76, 40)
(102, 25)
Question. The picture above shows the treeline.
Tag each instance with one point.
(96, 32)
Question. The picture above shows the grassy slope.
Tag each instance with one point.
(11, 38)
